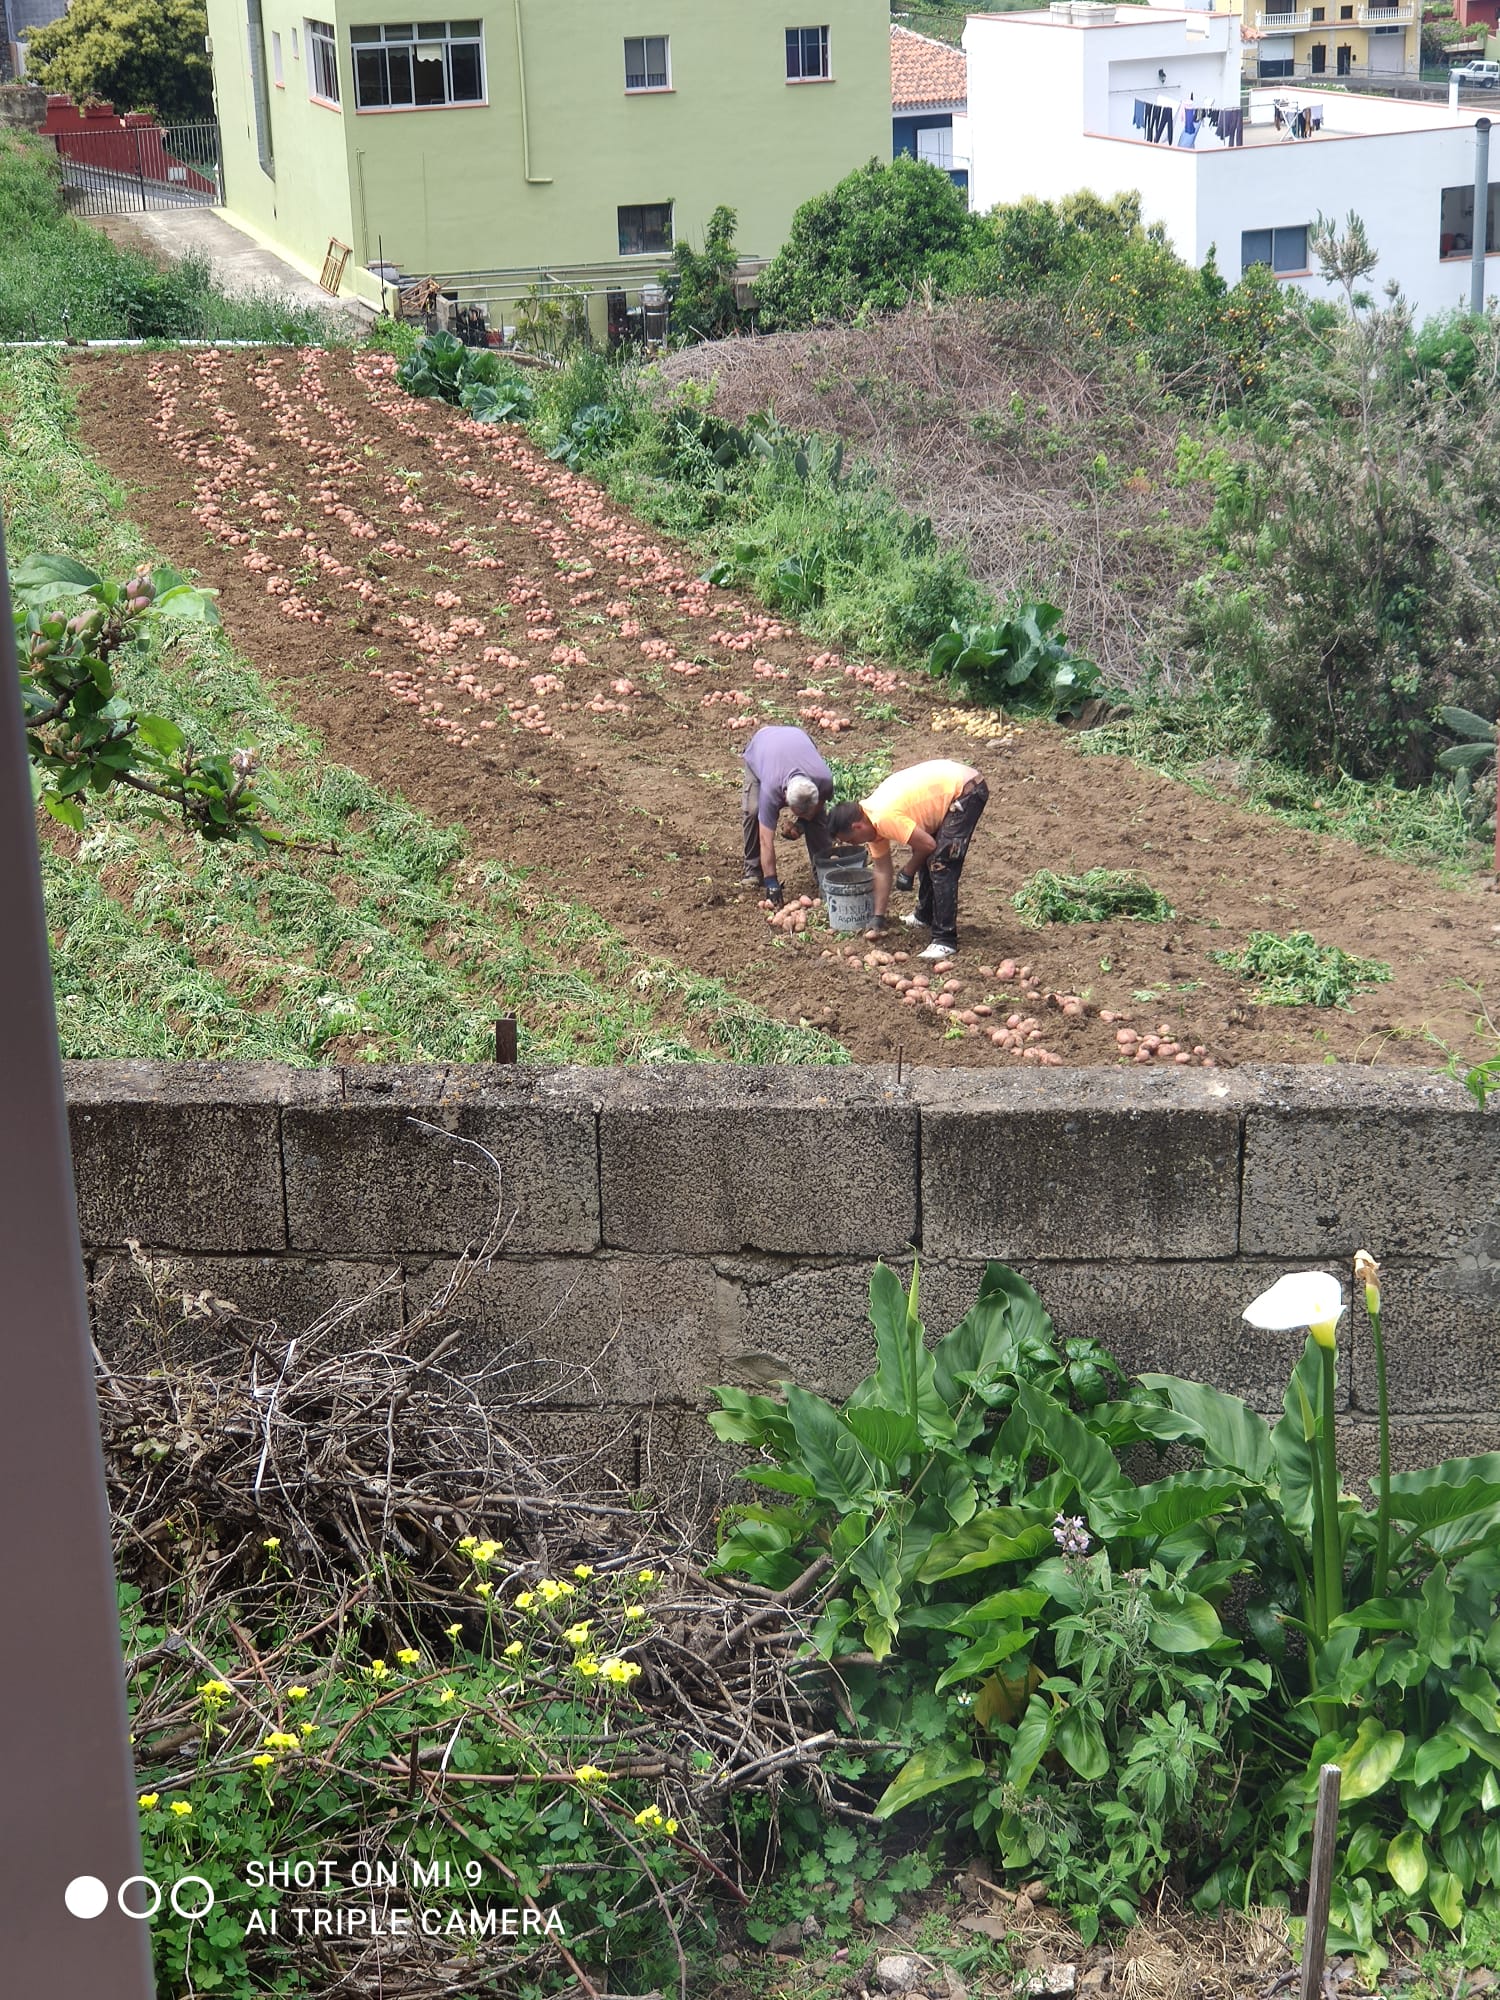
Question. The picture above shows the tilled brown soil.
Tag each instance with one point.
(483, 632)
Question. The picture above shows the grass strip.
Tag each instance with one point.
(386, 943)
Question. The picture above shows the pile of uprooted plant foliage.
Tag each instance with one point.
(372, 1620)
(1058, 483)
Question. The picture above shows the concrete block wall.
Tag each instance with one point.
(670, 1228)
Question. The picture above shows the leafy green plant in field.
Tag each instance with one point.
(1297, 971)
(1099, 897)
(1021, 661)
(485, 386)
(82, 735)
(1469, 756)
(1117, 1683)
(857, 777)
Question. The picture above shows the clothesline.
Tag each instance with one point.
(1158, 122)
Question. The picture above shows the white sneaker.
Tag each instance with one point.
(939, 951)
(914, 923)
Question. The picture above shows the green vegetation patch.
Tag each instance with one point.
(1098, 897)
(59, 279)
(1297, 971)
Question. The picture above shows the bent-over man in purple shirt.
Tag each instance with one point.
(783, 774)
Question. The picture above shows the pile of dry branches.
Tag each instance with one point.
(363, 1460)
(973, 414)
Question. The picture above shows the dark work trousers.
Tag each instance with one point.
(814, 831)
(937, 878)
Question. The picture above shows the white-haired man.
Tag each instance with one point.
(786, 782)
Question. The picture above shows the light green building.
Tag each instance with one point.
(541, 134)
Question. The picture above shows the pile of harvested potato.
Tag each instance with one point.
(794, 915)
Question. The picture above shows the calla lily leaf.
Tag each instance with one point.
(1302, 1298)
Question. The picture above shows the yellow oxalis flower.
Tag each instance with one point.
(578, 1635)
(408, 1656)
(584, 1570)
(514, 1650)
(378, 1670)
(590, 1774)
(263, 1760)
(147, 1800)
(181, 1807)
(298, 1693)
(525, 1600)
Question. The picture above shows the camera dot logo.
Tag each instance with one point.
(86, 1896)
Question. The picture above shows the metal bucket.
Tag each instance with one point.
(848, 896)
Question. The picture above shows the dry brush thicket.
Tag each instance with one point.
(1056, 481)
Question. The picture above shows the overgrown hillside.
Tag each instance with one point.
(1055, 482)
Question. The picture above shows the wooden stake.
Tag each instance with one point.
(1320, 1884)
(505, 1039)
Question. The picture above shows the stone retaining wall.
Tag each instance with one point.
(669, 1228)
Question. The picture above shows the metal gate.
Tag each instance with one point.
(125, 168)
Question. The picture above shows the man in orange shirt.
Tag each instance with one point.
(933, 809)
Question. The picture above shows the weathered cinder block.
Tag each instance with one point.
(1341, 1159)
(369, 1174)
(176, 1306)
(1070, 1163)
(821, 1162)
(1413, 1446)
(622, 1329)
(807, 1324)
(182, 1156)
(1442, 1347)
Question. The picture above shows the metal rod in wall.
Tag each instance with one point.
(1481, 213)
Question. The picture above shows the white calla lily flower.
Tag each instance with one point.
(1314, 1299)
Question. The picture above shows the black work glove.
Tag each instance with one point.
(905, 879)
(775, 893)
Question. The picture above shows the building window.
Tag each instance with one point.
(276, 76)
(807, 55)
(646, 62)
(1274, 66)
(646, 231)
(1346, 13)
(296, 52)
(1456, 222)
(323, 62)
(414, 66)
(1318, 13)
(1319, 58)
(1283, 249)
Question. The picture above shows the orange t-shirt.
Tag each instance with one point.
(918, 797)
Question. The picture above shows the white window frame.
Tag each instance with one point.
(277, 75)
(626, 207)
(645, 87)
(825, 52)
(322, 61)
(409, 38)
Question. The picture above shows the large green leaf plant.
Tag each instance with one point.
(1115, 1678)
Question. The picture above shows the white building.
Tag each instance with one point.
(1055, 106)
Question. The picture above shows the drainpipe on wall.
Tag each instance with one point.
(534, 180)
(1481, 213)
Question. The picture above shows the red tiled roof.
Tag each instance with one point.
(925, 72)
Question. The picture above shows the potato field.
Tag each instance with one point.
(481, 631)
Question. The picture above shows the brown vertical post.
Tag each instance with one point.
(505, 1039)
(1320, 1884)
(73, 1830)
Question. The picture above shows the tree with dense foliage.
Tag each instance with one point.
(138, 55)
(868, 244)
(704, 306)
(1361, 538)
